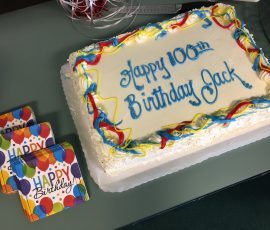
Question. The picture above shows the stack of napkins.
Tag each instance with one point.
(46, 175)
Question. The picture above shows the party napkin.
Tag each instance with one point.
(17, 119)
(49, 181)
(19, 142)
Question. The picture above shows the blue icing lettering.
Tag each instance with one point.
(132, 105)
(233, 75)
(192, 52)
(209, 88)
(146, 72)
(161, 66)
(128, 76)
(159, 99)
(174, 57)
(140, 76)
(212, 81)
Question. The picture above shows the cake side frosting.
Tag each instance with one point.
(128, 164)
(120, 139)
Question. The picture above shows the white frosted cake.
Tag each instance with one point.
(166, 91)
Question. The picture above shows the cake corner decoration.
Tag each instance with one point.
(49, 181)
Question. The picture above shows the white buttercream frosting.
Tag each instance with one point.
(145, 49)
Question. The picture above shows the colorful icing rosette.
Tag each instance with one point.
(49, 181)
(17, 119)
(20, 142)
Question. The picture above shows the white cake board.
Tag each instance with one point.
(128, 180)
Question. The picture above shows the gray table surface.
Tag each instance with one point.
(34, 43)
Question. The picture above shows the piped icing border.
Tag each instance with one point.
(225, 17)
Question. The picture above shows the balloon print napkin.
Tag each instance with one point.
(20, 142)
(49, 181)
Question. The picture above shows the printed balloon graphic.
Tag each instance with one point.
(2, 158)
(30, 160)
(49, 141)
(35, 130)
(18, 136)
(59, 154)
(75, 170)
(79, 190)
(7, 184)
(28, 171)
(42, 154)
(47, 204)
(26, 113)
(18, 169)
(79, 200)
(17, 113)
(4, 176)
(3, 121)
(33, 217)
(13, 182)
(4, 143)
(43, 165)
(57, 207)
(27, 133)
(6, 188)
(39, 211)
(69, 201)
(8, 136)
(51, 158)
(10, 117)
(25, 187)
(68, 156)
(44, 130)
